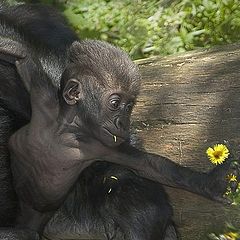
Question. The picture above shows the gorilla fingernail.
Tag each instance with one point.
(113, 177)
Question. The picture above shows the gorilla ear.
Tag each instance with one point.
(72, 92)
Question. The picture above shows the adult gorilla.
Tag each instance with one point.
(69, 124)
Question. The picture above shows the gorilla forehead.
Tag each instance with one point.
(112, 66)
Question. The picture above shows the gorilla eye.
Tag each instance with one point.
(114, 103)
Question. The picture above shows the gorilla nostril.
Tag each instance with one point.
(118, 123)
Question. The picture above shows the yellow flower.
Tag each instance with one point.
(218, 153)
(232, 178)
(231, 236)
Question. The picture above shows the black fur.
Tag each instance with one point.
(8, 202)
(115, 204)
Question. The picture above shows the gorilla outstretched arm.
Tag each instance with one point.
(211, 184)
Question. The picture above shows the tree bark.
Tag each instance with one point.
(189, 102)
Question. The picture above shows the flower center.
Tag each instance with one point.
(217, 154)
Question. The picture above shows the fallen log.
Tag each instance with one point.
(189, 102)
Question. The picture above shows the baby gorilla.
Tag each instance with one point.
(84, 122)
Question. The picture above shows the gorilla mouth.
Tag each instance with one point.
(116, 139)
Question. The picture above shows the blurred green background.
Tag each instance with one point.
(145, 28)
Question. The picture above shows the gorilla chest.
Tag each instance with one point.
(43, 167)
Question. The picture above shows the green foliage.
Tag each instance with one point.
(157, 27)
(11, 1)
(123, 23)
(145, 28)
